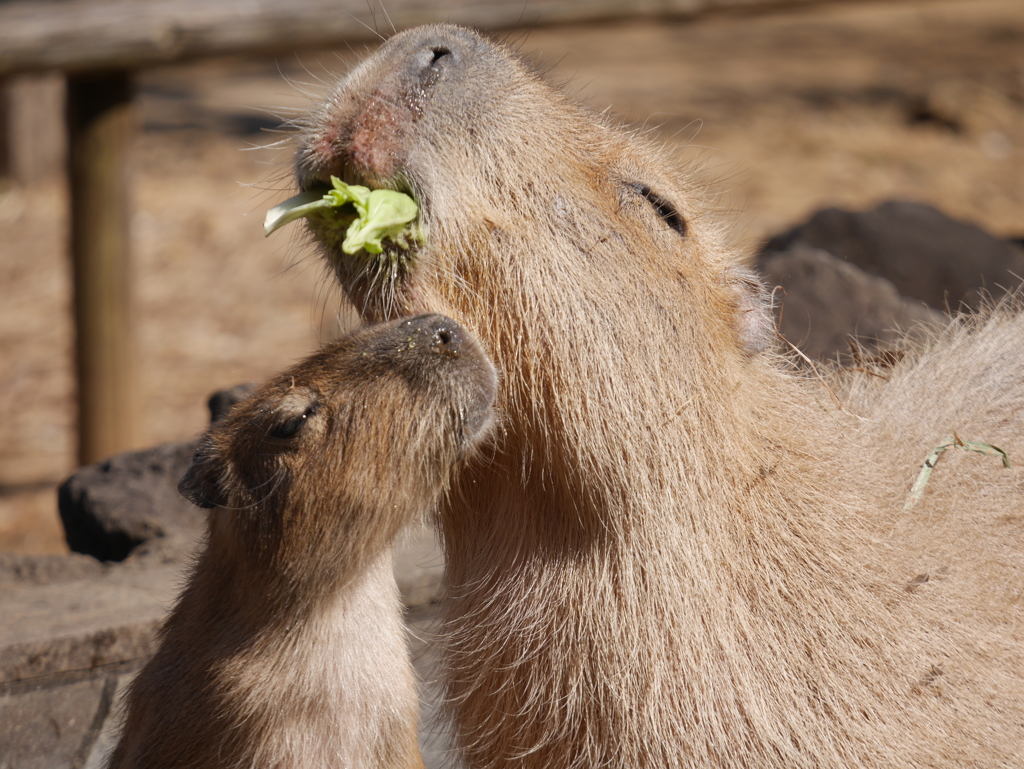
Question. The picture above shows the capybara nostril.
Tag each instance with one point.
(447, 338)
(439, 43)
(444, 334)
(438, 58)
(445, 342)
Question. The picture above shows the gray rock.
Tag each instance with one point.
(112, 507)
(51, 727)
(71, 645)
(925, 254)
(83, 624)
(129, 504)
(110, 731)
(826, 301)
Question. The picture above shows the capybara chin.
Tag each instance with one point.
(287, 647)
(685, 553)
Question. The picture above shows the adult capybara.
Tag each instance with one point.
(287, 647)
(683, 552)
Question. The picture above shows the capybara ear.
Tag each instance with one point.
(201, 483)
(754, 324)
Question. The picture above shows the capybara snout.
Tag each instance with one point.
(364, 137)
(425, 347)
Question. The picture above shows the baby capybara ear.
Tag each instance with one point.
(201, 482)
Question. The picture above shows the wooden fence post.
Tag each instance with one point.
(5, 142)
(100, 131)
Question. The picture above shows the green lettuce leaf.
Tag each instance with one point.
(294, 208)
(380, 214)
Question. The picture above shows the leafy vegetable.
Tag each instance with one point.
(294, 208)
(379, 214)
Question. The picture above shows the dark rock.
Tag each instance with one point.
(222, 401)
(129, 504)
(111, 507)
(826, 301)
(924, 253)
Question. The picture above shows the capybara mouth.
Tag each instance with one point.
(373, 271)
(354, 217)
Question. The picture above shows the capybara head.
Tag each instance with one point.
(337, 453)
(529, 204)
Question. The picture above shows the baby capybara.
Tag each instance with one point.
(287, 647)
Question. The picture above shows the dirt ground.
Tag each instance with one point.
(844, 104)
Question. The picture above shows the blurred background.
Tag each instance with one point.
(781, 109)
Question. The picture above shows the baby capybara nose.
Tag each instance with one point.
(434, 344)
(437, 333)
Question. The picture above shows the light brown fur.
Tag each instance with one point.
(682, 553)
(287, 647)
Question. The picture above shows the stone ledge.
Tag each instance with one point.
(83, 624)
(64, 720)
(76, 642)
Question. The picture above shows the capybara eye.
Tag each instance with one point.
(663, 208)
(291, 427)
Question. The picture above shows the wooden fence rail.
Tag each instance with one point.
(75, 35)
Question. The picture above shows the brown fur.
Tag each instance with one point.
(682, 553)
(287, 647)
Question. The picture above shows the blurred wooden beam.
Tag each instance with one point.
(100, 130)
(5, 131)
(79, 35)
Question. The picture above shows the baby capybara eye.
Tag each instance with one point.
(291, 427)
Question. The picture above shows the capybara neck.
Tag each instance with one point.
(683, 552)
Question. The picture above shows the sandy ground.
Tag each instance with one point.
(780, 114)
